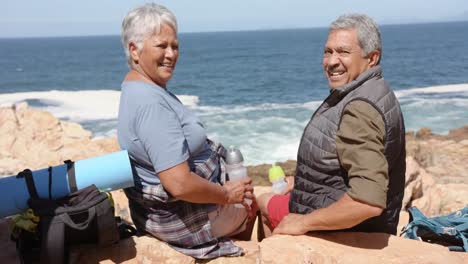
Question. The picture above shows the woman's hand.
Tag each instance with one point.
(236, 191)
(290, 181)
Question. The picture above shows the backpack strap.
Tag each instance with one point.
(462, 230)
(98, 208)
(27, 175)
(65, 217)
(50, 182)
(415, 214)
(415, 219)
(125, 230)
(71, 175)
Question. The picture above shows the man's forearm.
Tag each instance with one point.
(344, 213)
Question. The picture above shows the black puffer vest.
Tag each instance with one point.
(320, 180)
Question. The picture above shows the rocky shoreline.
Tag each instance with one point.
(35, 139)
(436, 182)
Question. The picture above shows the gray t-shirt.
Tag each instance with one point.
(158, 131)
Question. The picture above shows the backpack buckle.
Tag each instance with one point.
(451, 231)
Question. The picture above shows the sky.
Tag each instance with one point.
(47, 18)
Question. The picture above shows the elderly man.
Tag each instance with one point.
(351, 160)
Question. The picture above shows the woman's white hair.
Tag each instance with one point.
(368, 32)
(142, 23)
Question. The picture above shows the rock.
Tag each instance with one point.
(424, 133)
(333, 247)
(8, 127)
(445, 160)
(431, 198)
(259, 173)
(458, 134)
(441, 199)
(108, 145)
(35, 139)
(74, 131)
(146, 249)
(443, 156)
(142, 249)
(10, 166)
(341, 247)
(417, 182)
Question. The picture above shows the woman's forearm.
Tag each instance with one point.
(195, 189)
(190, 187)
(185, 185)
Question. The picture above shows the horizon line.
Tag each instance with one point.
(235, 30)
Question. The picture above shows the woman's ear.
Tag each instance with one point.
(373, 58)
(134, 52)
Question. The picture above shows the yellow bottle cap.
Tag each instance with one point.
(275, 173)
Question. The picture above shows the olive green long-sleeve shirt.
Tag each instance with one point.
(360, 142)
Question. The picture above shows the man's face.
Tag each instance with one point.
(343, 58)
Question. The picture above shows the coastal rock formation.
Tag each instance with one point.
(436, 182)
(432, 198)
(35, 139)
(338, 247)
(331, 247)
(444, 157)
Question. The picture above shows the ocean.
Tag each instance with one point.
(253, 89)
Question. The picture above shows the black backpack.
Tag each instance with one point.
(85, 216)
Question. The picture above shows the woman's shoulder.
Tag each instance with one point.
(139, 86)
(143, 92)
(149, 97)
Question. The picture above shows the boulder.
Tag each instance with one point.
(444, 157)
(424, 133)
(331, 247)
(35, 139)
(346, 247)
(432, 198)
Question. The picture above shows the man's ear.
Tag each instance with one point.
(134, 52)
(373, 58)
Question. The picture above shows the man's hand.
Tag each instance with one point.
(292, 224)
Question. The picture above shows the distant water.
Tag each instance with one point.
(256, 89)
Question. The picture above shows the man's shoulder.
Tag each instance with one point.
(362, 115)
(361, 107)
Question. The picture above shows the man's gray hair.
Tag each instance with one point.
(142, 23)
(368, 32)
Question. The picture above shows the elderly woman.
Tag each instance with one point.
(180, 195)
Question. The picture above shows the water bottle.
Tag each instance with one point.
(277, 179)
(235, 168)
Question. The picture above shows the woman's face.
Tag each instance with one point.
(158, 57)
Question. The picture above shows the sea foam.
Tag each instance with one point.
(78, 106)
(453, 88)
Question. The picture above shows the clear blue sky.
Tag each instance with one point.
(103, 17)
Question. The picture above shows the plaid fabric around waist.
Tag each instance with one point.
(183, 225)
